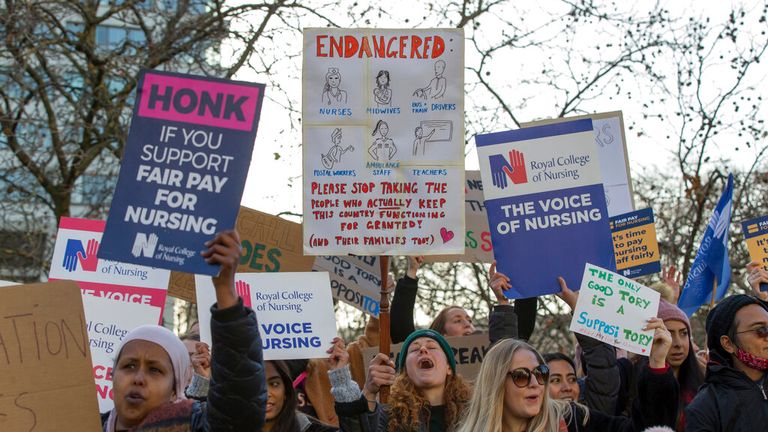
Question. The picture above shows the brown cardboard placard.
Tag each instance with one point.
(469, 352)
(270, 244)
(46, 381)
(477, 241)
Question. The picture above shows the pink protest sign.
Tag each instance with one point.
(75, 258)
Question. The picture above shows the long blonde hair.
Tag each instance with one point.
(486, 407)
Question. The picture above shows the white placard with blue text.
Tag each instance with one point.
(546, 205)
(615, 309)
(294, 311)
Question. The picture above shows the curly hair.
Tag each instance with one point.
(408, 407)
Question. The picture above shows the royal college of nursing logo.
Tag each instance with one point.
(144, 245)
(512, 168)
(74, 253)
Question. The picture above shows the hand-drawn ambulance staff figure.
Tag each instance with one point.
(331, 90)
(383, 147)
(382, 94)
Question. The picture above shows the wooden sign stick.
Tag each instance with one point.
(384, 336)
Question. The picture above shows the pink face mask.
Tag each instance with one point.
(751, 360)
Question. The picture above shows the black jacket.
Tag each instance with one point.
(237, 397)
(729, 402)
(655, 405)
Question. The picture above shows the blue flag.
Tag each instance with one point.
(711, 263)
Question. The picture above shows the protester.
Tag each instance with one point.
(735, 394)
(153, 365)
(426, 393)
(452, 320)
(601, 377)
(511, 394)
(282, 414)
(200, 357)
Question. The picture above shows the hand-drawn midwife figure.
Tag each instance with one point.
(383, 148)
(382, 94)
(335, 152)
(420, 143)
(332, 93)
(436, 87)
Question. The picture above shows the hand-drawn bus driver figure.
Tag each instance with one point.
(331, 91)
(383, 147)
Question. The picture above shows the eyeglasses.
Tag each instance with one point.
(521, 377)
(761, 331)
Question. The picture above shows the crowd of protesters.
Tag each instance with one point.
(166, 383)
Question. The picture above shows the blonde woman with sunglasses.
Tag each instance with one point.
(511, 394)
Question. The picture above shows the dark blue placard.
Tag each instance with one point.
(630, 220)
(533, 255)
(183, 171)
(758, 227)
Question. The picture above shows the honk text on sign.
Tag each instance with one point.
(184, 169)
(546, 205)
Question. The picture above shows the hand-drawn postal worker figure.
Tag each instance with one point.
(335, 152)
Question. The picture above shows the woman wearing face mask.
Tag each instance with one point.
(281, 408)
(511, 394)
(153, 366)
(426, 393)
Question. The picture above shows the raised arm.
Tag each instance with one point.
(238, 394)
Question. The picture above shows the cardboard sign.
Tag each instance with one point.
(614, 309)
(612, 153)
(468, 351)
(635, 244)
(477, 241)
(756, 236)
(383, 134)
(294, 311)
(75, 258)
(546, 205)
(270, 244)
(354, 280)
(46, 381)
(107, 322)
(184, 169)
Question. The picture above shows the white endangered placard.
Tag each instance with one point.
(383, 141)
(354, 280)
(294, 311)
(614, 309)
(107, 322)
(614, 161)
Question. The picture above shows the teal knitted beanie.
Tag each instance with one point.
(432, 335)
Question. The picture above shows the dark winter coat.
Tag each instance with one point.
(728, 402)
(238, 393)
(655, 405)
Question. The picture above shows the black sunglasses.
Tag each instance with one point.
(761, 331)
(521, 377)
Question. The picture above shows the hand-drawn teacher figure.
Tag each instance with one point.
(420, 143)
(331, 91)
(383, 147)
(382, 94)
